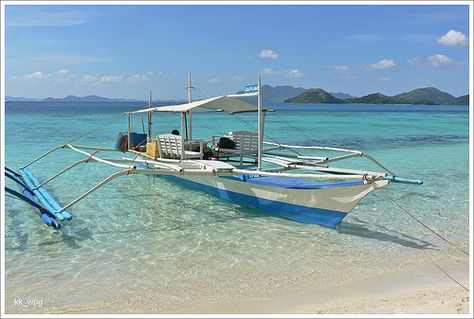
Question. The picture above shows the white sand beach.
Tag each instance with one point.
(411, 289)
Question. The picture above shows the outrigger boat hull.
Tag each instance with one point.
(300, 200)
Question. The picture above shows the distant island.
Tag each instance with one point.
(280, 93)
(428, 95)
(314, 96)
(73, 98)
(290, 94)
(89, 98)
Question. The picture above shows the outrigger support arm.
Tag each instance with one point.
(45, 154)
(63, 147)
(377, 162)
(93, 189)
(98, 159)
(61, 172)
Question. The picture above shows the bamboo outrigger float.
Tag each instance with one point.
(287, 180)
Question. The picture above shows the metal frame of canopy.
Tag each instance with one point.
(225, 103)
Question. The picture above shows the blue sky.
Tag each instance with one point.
(124, 51)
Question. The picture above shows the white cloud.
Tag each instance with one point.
(139, 78)
(268, 54)
(294, 73)
(63, 72)
(89, 78)
(454, 38)
(63, 76)
(340, 68)
(269, 72)
(238, 78)
(439, 59)
(383, 79)
(433, 61)
(214, 80)
(383, 64)
(111, 78)
(34, 76)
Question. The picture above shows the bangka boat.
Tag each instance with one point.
(293, 181)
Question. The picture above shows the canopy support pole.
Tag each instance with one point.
(183, 125)
(190, 99)
(129, 138)
(260, 125)
(149, 118)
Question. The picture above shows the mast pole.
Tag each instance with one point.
(149, 118)
(183, 127)
(190, 99)
(260, 124)
(129, 138)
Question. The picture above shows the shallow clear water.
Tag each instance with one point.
(141, 236)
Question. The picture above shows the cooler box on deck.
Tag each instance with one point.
(152, 148)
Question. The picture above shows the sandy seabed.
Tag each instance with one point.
(410, 289)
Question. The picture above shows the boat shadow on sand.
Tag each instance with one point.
(361, 229)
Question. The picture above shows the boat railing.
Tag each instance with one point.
(323, 160)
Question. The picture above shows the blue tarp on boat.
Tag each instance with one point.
(288, 182)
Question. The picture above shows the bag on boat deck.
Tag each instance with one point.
(138, 141)
(226, 142)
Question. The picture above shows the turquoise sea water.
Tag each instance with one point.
(141, 236)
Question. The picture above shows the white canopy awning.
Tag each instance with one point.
(224, 103)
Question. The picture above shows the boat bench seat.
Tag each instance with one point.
(169, 146)
(246, 143)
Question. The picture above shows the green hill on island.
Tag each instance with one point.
(429, 96)
(462, 100)
(377, 98)
(314, 96)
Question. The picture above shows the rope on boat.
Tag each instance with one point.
(268, 136)
(94, 130)
(303, 133)
(172, 98)
(424, 225)
(435, 233)
(444, 272)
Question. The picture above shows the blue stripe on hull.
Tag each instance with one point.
(304, 214)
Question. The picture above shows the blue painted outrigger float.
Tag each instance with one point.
(231, 168)
(44, 205)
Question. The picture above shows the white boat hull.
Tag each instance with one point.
(300, 200)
